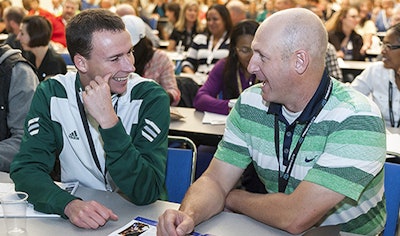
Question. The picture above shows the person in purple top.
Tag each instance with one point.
(229, 77)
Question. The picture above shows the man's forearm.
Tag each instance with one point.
(203, 200)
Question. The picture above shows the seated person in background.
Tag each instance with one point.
(127, 9)
(69, 10)
(237, 11)
(366, 27)
(88, 4)
(172, 11)
(57, 7)
(396, 16)
(107, 4)
(331, 59)
(229, 77)
(12, 18)
(208, 48)
(383, 16)
(381, 80)
(107, 125)
(35, 37)
(17, 87)
(285, 4)
(58, 33)
(159, 8)
(332, 64)
(321, 165)
(187, 26)
(341, 32)
(268, 9)
(154, 63)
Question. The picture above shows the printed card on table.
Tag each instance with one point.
(143, 227)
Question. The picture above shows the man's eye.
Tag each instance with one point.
(262, 57)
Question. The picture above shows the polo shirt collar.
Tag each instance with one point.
(312, 107)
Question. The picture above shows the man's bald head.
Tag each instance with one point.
(296, 28)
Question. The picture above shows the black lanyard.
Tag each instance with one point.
(391, 107)
(89, 135)
(283, 178)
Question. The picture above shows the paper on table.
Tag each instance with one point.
(214, 119)
(392, 143)
(175, 114)
(5, 188)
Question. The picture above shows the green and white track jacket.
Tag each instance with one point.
(132, 153)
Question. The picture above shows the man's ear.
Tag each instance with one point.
(80, 63)
(13, 24)
(302, 61)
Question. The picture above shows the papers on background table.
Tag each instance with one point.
(175, 114)
(392, 143)
(143, 227)
(5, 188)
(214, 119)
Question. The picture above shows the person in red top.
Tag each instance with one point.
(70, 9)
(58, 35)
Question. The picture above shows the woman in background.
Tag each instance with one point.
(172, 12)
(154, 63)
(225, 82)
(382, 20)
(35, 37)
(341, 33)
(366, 27)
(268, 10)
(187, 27)
(229, 77)
(208, 48)
(381, 80)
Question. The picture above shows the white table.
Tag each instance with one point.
(351, 69)
(191, 126)
(353, 65)
(222, 224)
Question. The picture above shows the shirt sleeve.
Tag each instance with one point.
(22, 87)
(137, 161)
(206, 98)
(363, 82)
(32, 166)
(167, 76)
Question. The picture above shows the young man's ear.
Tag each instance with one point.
(80, 63)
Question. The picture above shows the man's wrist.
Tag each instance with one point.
(109, 123)
(234, 196)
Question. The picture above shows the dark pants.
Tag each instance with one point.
(251, 182)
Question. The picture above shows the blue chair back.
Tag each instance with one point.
(181, 164)
(392, 193)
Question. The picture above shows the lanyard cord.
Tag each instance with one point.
(283, 178)
(89, 137)
(212, 50)
(391, 107)
(239, 81)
